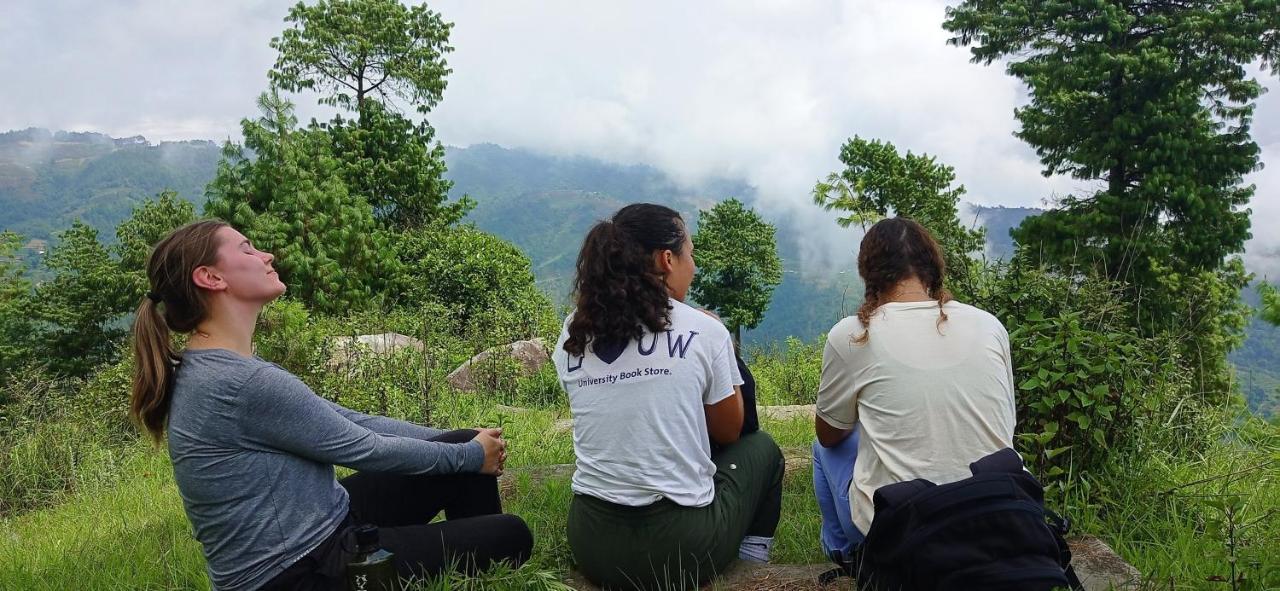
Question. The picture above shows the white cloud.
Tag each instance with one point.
(766, 90)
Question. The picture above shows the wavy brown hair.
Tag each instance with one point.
(618, 291)
(893, 250)
(174, 303)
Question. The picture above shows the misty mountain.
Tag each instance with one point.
(546, 204)
(543, 204)
(48, 179)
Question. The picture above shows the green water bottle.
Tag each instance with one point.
(371, 569)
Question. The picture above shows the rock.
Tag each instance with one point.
(797, 460)
(531, 355)
(1100, 568)
(1097, 565)
(535, 474)
(786, 412)
(751, 576)
(347, 351)
(562, 426)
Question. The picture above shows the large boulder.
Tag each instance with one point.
(530, 356)
(347, 352)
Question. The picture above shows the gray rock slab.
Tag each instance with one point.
(786, 412)
(748, 576)
(1100, 568)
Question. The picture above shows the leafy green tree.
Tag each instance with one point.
(353, 50)
(738, 264)
(1270, 308)
(878, 180)
(16, 304)
(1150, 98)
(79, 309)
(148, 224)
(469, 271)
(291, 200)
(362, 55)
(398, 166)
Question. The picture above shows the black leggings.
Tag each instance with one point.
(475, 535)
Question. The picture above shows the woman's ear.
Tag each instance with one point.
(206, 278)
(662, 261)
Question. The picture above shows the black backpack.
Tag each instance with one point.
(990, 531)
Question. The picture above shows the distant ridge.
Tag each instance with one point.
(49, 178)
(543, 204)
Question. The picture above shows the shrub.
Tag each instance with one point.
(468, 270)
(788, 372)
(1087, 381)
(56, 434)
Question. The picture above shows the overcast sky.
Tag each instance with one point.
(763, 90)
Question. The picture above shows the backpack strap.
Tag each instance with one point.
(1005, 460)
(897, 494)
(1061, 526)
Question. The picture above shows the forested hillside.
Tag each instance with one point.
(543, 204)
(48, 179)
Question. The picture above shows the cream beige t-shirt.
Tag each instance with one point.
(929, 402)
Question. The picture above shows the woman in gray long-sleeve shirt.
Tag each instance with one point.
(253, 448)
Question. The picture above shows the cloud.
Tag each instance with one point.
(766, 90)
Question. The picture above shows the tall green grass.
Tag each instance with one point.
(85, 504)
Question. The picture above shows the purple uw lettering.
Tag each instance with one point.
(678, 344)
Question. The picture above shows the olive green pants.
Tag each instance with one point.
(669, 546)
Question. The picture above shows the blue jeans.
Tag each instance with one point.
(832, 472)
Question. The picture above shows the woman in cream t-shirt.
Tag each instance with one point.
(915, 386)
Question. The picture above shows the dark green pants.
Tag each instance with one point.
(669, 546)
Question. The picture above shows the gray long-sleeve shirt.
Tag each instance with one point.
(253, 451)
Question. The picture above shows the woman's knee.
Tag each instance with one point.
(516, 536)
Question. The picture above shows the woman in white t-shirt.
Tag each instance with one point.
(916, 385)
(652, 384)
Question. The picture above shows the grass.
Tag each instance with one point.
(1165, 512)
(131, 533)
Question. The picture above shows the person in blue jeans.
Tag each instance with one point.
(832, 473)
(915, 385)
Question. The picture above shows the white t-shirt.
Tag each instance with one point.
(639, 427)
(929, 403)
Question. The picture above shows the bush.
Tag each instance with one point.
(789, 372)
(57, 434)
(469, 271)
(1087, 382)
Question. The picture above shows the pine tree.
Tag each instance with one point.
(16, 326)
(291, 200)
(738, 265)
(397, 166)
(79, 309)
(1151, 99)
(353, 51)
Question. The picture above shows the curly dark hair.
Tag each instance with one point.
(895, 249)
(617, 290)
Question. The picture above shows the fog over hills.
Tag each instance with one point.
(544, 204)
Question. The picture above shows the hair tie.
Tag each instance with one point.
(153, 296)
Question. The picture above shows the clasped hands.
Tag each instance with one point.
(495, 450)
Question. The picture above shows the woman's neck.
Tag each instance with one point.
(907, 290)
(227, 327)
